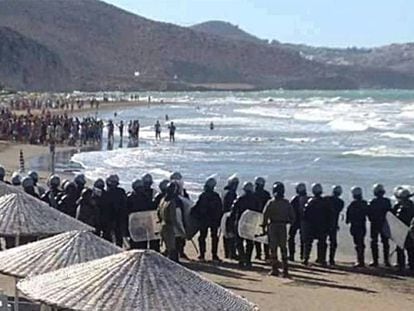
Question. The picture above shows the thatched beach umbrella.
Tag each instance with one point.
(130, 281)
(54, 253)
(8, 189)
(22, 215)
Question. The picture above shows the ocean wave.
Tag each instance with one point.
(381, 152)
(264, 112)
(344, 125)
(394, 135)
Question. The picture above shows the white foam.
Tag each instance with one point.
(409, 137)
(348, 125)
(381, 152)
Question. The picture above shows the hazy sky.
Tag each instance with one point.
(316, 22)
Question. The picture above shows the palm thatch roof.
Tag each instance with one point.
(54, 253)
(8, 189)
(24, 215)
(134, 280)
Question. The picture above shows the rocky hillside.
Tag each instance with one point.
(26, 64)
(226, 30)
(90, 45)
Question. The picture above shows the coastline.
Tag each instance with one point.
(9, 151)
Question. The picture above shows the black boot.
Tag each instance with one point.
(285, 269)
(374, 250)
(360, 257)
(387, 255)
(332, 252)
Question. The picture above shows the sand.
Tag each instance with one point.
(313, 288)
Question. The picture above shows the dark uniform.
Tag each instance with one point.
(229, 196)
(50, 197)
(336, 205)
(139, 202)
(356, 216)
(247, 201)
(87, 210)
(263, 196)
(114, 216)
(404, 210)
(208, 211)
(316, 216)
(68, 203)
(377, 211)
(298, 204)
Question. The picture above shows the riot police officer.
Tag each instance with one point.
(263, 196)
(247, 201)
(298, 204)
(356, 216)
(316, 225)
(336, 205)
(208, 211)
(28, 186)
(51, 195)
(229, 196)
(377, 211)
(67, 204)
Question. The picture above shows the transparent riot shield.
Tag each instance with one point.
(249, 227)
(144, 226)
(396, 230)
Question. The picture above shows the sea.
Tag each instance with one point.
(348, 138)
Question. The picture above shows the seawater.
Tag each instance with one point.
(332, 137)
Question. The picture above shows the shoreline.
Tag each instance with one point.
(9, 151)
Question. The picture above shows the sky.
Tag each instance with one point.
(334, 23)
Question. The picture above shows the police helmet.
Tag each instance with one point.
(211, 183)
(112, 180)
(27, 182)
(404, 193)
(163, 185)
(80, 179)
(147, 180)
(70, 187)
(248, 187)
(279, 189)
(86, 193)
(233, 180)
(337, 190)
(260, 181)
(317, 189)
(16, 179)
(378, 190)
(34, 175)
(137, 184)
(301, 188)
(54, 181)
(99, 184)
(176, 176)
(356, 192)
(172, 188)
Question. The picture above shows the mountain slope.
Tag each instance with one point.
(26, 64)
(103, 46)
(96, 46)
(226, 30)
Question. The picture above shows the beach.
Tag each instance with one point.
(310, 288)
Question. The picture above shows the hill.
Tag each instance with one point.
(26, 64)
(226, 30)
(96, 46)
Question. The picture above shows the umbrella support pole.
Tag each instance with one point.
(16, 295)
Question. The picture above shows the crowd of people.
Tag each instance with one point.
(106, 206)
(47, 128)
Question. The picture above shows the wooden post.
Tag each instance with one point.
(16, 295)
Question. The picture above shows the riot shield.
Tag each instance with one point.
(144, 226)
(396, 230)
(249, 227)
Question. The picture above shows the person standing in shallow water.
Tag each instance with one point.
(172, 129)
(157, 130)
